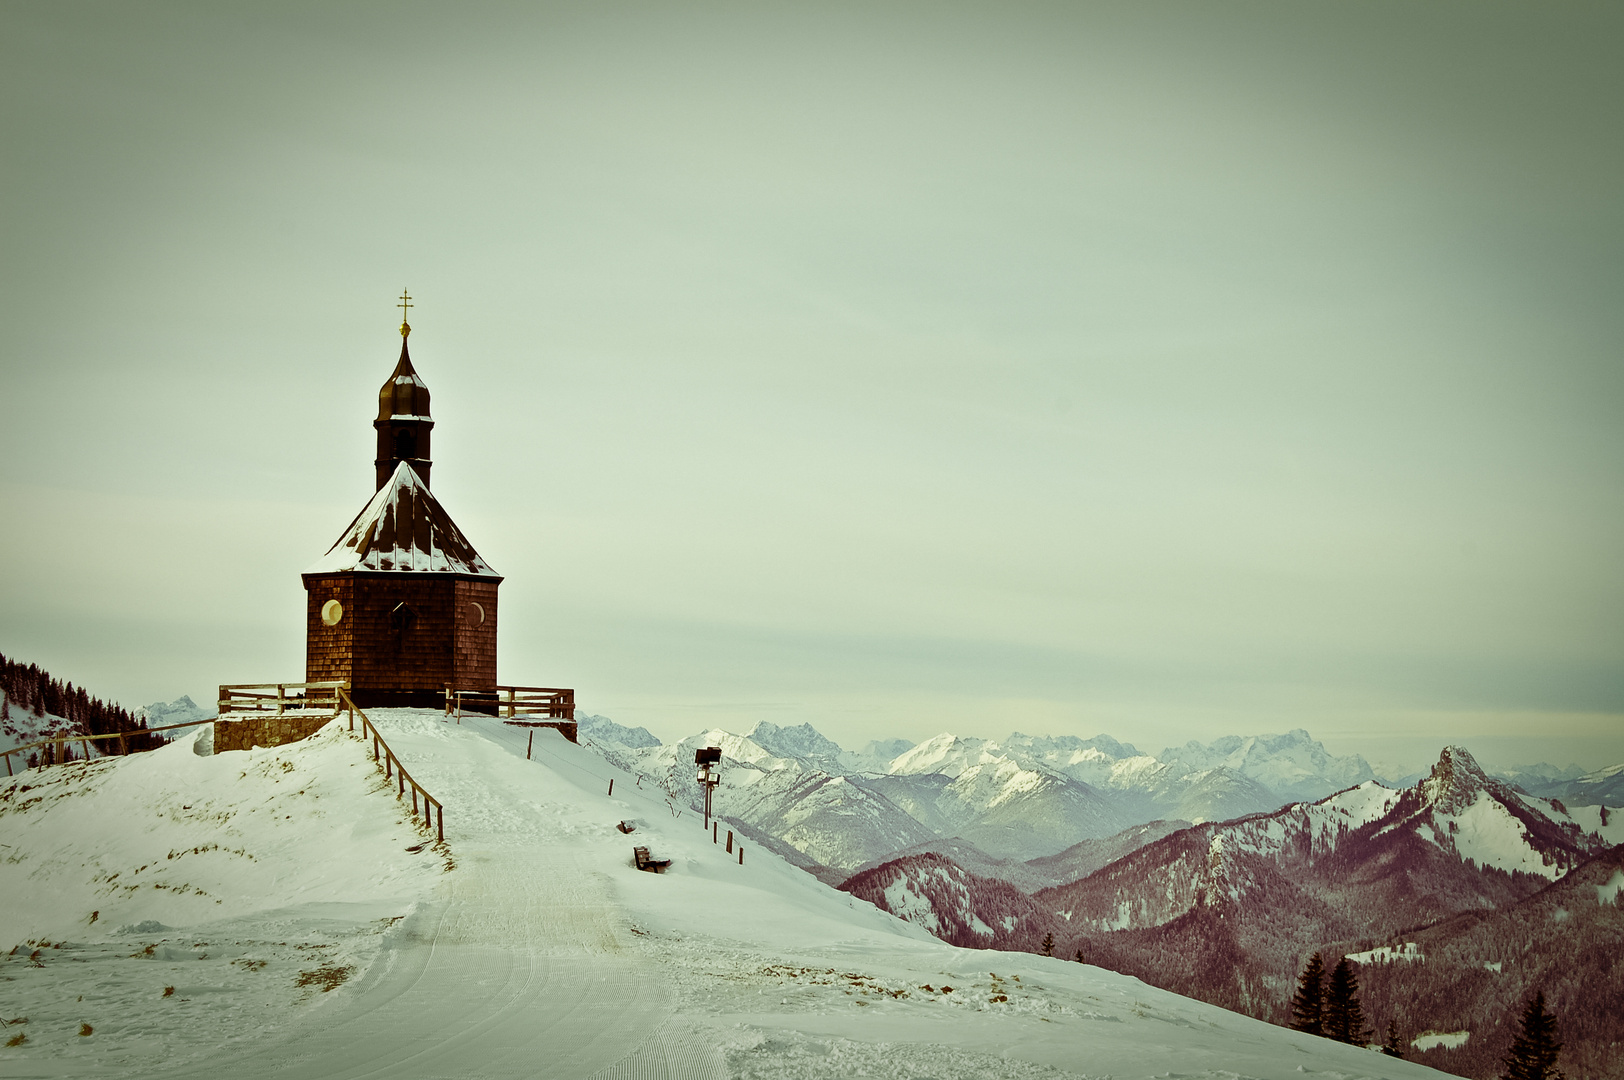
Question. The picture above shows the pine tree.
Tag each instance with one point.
(1394, 1046)
(1307, 1005)
(1048, 944)
(1343, 1018)
(1534, 1051)
(1078, 956)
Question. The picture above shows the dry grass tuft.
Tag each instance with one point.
(328, 977)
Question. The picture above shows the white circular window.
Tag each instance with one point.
(331, 612)
(476, 614)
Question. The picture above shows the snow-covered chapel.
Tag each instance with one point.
(402, 606)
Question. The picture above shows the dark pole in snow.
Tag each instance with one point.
(611, 787)
(530, 745)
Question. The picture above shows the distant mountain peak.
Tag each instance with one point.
(800, 741)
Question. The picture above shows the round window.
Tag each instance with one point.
(331, 612)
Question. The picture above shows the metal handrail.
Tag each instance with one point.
(392, 767)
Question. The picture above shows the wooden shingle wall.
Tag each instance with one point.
(404, 637)
(328, 648)
(476, 637)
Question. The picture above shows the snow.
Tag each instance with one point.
(1588, 818)
(1388, 953)
(1449, 1040)
(530, 948)
(1601, 774)
(1486, 833)
(1364, 803)
(1607, 892)
(950, 755)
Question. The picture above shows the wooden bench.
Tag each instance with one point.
(640, 856)
(626, 827)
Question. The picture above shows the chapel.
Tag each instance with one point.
(402, 606)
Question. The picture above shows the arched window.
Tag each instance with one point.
(405, 443)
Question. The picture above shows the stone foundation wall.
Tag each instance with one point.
(270, 730)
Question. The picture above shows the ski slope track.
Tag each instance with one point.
(530, 947)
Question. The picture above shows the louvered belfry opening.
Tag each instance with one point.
(417, 608)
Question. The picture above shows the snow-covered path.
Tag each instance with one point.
(515, 969)
(543, 953)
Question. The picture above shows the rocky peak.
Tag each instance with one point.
(801, 741)
(1454, 782)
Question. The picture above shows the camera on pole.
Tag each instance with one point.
(708, 759)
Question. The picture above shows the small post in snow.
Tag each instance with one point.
(611, 787)
(530, 745)
(741, 854)
(730, 841)
(713, 832)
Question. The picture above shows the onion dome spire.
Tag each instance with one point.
(403, 422)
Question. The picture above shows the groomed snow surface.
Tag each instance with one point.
(310, 928)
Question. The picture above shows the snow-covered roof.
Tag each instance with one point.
(404, 528)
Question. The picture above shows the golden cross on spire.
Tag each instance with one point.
(405, 306)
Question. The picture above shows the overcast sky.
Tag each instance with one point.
(1168, 370)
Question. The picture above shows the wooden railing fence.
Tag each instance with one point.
(86, 740)
(392, 768)
(554, 703)
(257, 697)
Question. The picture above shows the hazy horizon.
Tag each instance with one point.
(1165, 370)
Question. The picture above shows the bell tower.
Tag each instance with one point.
(403, 422)
(402, 607)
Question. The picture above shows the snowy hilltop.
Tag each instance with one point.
(280, 913)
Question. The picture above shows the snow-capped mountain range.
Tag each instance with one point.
(1020, 799)
(1227, 911)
